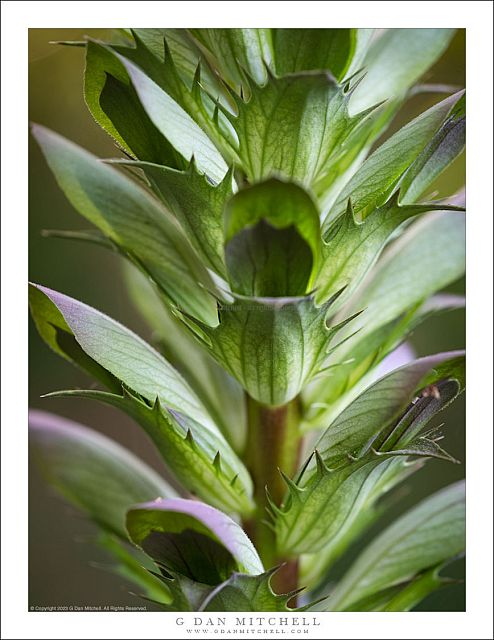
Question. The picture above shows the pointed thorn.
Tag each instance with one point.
(157, 406)
(269, 71)
(334, 297)
(234, 480)
(126, 393)
(168, 54)
(247, 77)
(352, 89)
(360, 117)
(190, 438)
(309, 606)
(272, 505)
(292, 487)
(216, 115)
(192, 168)
(275, 569)
(322, 469)
(293, 593)
(231, 117)
(228, 178)
(304, 468)
(197, 75)
(355, 74)
(137, 40)
(217, 462)
(160, 576)
(350, 212)
(333, 330)
(270, 572)
(342, 324)
(393, 201)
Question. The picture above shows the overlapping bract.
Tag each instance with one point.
(257, 222)
(387, 420)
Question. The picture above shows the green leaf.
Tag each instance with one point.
(426, 536)
(197, 204)
(219, 392)
(309, 49)
(134, 220)
(405, 438)
(403, 597)
(242, 592)
(272, 239)
(351, 247)
(193, 539)
(356, 429)
(181, 131)
(190, 91)
(324, 508)
(57, 334)
(444, 147)
(425, 446)
(238, 51)
(378, 177)
(143, 370)
(115, 106)
(122, 353)
(272, 346)
(353, 152)
(429, 256)
(358, 357)
(315, 568)
(395, 61)
(332, 490)
(294, 126)
(416, 590)
(101, 64)
(199, 458)
(93, 472)
(357, 145)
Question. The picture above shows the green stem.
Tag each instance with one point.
(273, 444)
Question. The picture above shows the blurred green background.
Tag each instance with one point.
(60, 551)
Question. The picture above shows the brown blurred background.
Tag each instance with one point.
(60, 549)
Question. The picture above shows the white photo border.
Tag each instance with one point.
(18, 17)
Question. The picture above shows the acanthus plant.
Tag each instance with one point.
(280, 254)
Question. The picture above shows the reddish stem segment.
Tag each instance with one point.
(273, 444)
